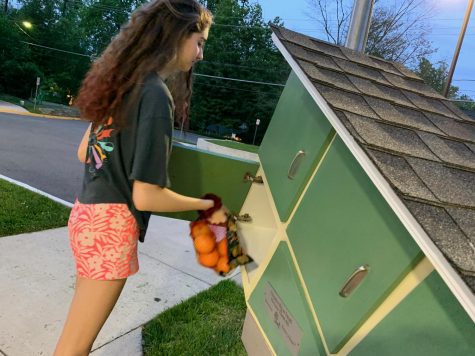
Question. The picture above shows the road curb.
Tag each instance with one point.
(16, 112)
(35, 190)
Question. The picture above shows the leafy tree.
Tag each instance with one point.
(18, 70)
(240, 47)
(55, 26)
(101, 21)
(436, 76)
(398, 31)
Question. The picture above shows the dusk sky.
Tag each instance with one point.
(446, 21)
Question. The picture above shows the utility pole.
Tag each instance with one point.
(457, 48)
(5, 8)
(359, 25)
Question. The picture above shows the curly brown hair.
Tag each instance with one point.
(146, 44)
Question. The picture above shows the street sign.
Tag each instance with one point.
(37, 80)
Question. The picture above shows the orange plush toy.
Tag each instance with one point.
(215, 239)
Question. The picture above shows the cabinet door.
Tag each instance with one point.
(429, 321)
(297, 125)
(341, 224)
(280, 282)
(195, 172)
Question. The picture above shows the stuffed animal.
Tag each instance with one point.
(216, 240)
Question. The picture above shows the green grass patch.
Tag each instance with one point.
(24, 211)
(236, 145)
(209, 323)
(10, 99)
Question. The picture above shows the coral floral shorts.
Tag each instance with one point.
(103, 238)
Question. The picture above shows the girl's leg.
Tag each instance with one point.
(92, 303)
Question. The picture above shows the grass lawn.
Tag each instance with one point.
(209, 323)
(24, 211)
(236, 145)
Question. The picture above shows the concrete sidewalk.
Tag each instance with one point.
(37, 279)
(9, 107)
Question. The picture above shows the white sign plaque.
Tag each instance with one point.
(283, 320)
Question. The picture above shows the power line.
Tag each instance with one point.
(238, 80)
(56, 49)
(241, 66)
(196, 74)
(251, 91)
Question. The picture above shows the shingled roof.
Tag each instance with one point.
(422, 145)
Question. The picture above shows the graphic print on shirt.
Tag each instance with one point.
(99, 147)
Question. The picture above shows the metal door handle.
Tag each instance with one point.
(248, 177)
(294, 166)
(244, 218)
(354, 280)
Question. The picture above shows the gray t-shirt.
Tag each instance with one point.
(138, 151)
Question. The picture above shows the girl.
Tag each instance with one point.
(126, 150)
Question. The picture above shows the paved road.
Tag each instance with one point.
(42, 153)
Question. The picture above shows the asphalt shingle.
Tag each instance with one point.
(471, 146)
(401, 175)
(349, 127)
(345, 100)
(406, 72)
(380, 91)
(460, 114)
(359, 58)
(445, 234)
(449, 185)
(429, 104)
(329, 77)
(386, 66)
(411, 85)
(400, 115)
(464, 218)
(390, 137)
(360, 71)
(328, 49)
(449, 151)
(311, 56)
(455, 129)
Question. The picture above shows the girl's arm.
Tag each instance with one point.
(151, 197)
(82, 149)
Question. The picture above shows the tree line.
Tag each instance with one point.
(65, 36)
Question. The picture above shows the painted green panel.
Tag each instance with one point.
(281, 275)
(297, 124)
(195, 172)
(343, 223)
(429, 321)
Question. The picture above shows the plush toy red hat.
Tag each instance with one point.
(205, 214)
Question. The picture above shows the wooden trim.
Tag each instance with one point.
(249, 283)
(461, 291)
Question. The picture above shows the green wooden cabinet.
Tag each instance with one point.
(429, 321)
(280, 281)
(343, 223)
(195, 172)
(297, 125)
